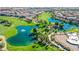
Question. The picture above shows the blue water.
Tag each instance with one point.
(22, 38)
(66, 26)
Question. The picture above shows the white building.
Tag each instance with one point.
(73, 38)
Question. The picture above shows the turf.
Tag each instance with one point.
(11, 31)
(44, 16)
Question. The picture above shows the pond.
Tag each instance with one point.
(22, 38)
(66, 26)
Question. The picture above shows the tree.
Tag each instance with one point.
(56, 23)
(70, 22)
(33, 46)
(61, 26)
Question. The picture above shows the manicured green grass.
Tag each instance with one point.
(30, 48)
(44, 16)
(73, 30)
(11, 31)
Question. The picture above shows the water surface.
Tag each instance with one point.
(23, 37)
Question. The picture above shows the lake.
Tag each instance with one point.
(22, 38)
(66, 26)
